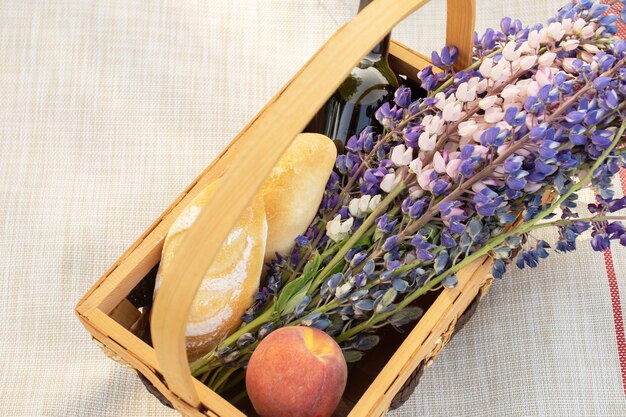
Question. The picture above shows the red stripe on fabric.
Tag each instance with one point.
(618, 318)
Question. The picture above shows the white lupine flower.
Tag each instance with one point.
(587, 57)
(468, 127)
(587, 32)
(461, 92)
(338, 230)
(525, 49)
(591, 48)
(555, 31)
(427, 142)
(401, 156)
(473, 82)
(343, 290)
(389, 182)
(433, 124)
(570, 44)
(532, 89)
(486, 67)
(364, 203)
(579, 25)
(416, 191)
(354, 205)
(374, 202)
(509, 52)
(416, 166)
(439, 163)
(360, 207)
(494, 114)
(567, 25)
(482, 86)
(568, 64)
(452, 168)
(478, 133)
(487, 102)
(544, 77)
(510, 91)
(527, 62)
(424, 178)
(440, 100)
(533, 39)
(452, 112)
(547, 59)
(501, 71)
(466, 93)
(543, 35)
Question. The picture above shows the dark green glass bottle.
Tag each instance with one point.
(352, 107)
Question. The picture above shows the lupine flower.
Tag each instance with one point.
(338, 230)
(476, 159)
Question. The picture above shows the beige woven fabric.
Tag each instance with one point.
(109, 109)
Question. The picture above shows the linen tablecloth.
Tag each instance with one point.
(109, 109)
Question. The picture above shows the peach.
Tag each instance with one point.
(296, 372)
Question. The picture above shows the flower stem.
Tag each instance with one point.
(200, 364)
(217, 385)
(523, 228)
(566, 222)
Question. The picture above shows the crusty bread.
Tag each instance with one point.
(231, 282)
(294, 189)
(282, 210)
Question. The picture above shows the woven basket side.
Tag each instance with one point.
(411, 384)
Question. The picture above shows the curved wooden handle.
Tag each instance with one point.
(261, 144)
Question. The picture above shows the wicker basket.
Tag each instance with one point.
(113, 320)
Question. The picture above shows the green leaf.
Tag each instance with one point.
(294, 292)
(363, 241)
(352, 355)
(337, 268)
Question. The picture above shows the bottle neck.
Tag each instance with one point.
(364, 3)
(381, 50)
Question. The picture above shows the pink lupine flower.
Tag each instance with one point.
(423, 178)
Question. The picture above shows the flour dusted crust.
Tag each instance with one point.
(282, 210)
(230, 284)
(294, 189)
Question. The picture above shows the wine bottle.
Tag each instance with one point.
(352, 107)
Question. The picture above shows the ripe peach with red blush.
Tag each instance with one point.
(296, 372)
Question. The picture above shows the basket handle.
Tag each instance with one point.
(260, 144)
